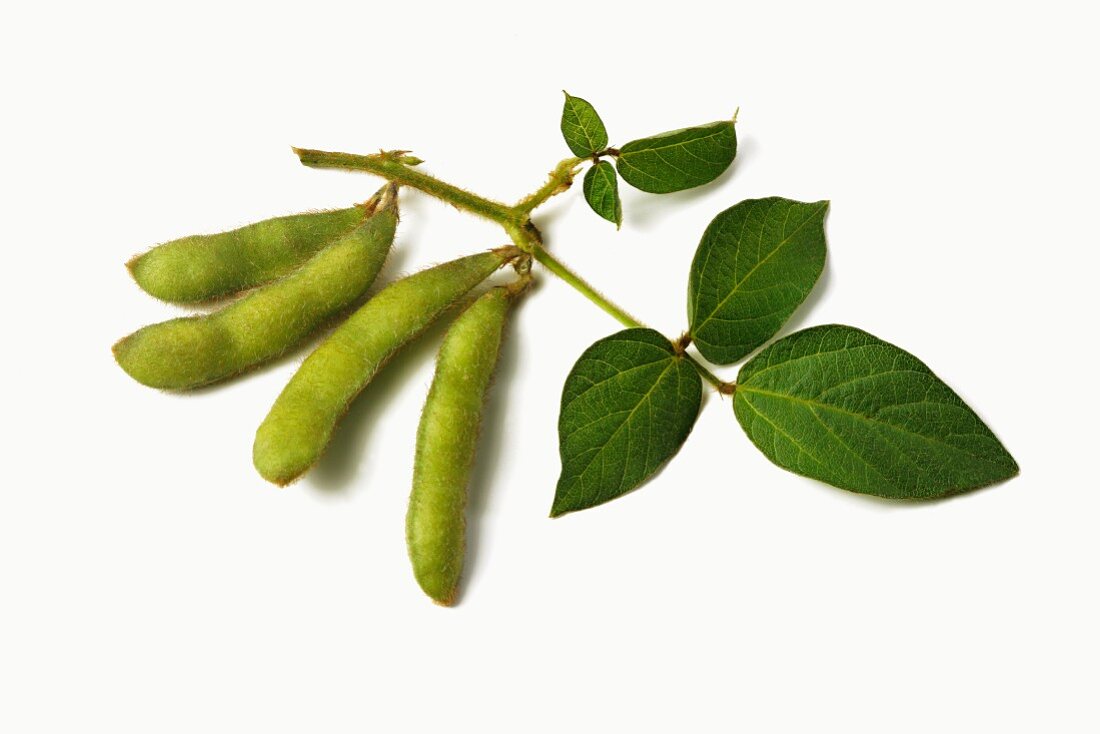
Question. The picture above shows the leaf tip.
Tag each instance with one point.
(560, 506)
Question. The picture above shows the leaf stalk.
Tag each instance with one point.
(561, 178)
(580, 285)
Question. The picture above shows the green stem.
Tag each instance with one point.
(578, 283)
(561, 178)
(389, 166)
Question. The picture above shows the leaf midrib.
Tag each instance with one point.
(812, 405)
(580, 125)
(679, 144)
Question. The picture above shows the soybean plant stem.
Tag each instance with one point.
(391, 166)
(578, 283)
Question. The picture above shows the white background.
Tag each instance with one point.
(150, 581)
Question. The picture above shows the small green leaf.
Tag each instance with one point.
(582, 128)
(601, 191)
(756, 262)
(627, 406)
(837, 404)
(680, 159)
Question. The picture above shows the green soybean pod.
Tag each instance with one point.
(196, 350)
(446, 442)
(298, 428)
(204, 267)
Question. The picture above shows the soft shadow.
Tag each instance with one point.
(348, 447)
(645, 210)
(345, 453)
(552, 211)
(886, 504)
(392, 269)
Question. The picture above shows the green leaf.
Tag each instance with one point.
(628, 405)
(680, 159)
(582, 128)
(837, 404)
(756, 262)
(601, 191)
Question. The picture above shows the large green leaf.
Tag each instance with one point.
(601, 191)
(837, 404)
(628, 405)
(680, 159)
(582, 128)
(756, 262)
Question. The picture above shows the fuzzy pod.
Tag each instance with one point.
(196, 350)
(446, 443)
(204, 267)
(300, 424)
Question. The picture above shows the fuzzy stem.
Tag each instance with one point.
(390, 166)
(726, 388)
(578, 283)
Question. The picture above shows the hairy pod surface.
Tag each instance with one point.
(446, 443)
(298, 428)
(203, 267)
(197, 350)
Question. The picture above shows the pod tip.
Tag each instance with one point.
(273, 464)
(448, 602)
(116, 348)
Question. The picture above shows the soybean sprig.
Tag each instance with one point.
(832, 402)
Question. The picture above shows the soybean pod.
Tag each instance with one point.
(446, 442)
(300, 424)
(204, 267)
(196, 350)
